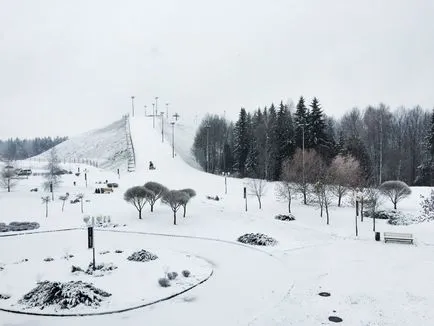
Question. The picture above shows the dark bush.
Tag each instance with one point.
(142, 256)
(282, 217)
(186, 273)
(171, 276)
(4, 296)
(164, 282)
(257, 239)
(76, 269)
(48, 259)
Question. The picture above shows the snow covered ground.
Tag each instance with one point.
(371, 283)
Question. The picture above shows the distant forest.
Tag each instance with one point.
(388, 144)
(18, 149)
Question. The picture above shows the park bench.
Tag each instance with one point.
(398, 237)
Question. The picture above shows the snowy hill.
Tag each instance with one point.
(107, 146)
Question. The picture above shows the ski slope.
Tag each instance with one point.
(371, 283)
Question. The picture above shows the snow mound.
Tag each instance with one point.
(142, 256)
(282, 217)
(107, 146)
(18, 226)
(257, 239)
(63, 295)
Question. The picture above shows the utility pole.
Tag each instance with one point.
(132, 104)
(173, 138)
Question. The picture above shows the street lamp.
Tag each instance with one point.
(153, 115)
(162, 126)
(173, 138)
(167, 110)
(132, 104)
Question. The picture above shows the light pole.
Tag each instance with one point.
(153, 115)
(145, 110)
(207, 146)
(132, 104)
(167, 110)
(173, 138)
(162, 126)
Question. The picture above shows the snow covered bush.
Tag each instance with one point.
(63, 295)
(48, 259)
(399, 218)
(282, 217)
(164, 282)
(100, 269)
(142, 256)
(427, 205)
(18, 226)
(395, 190)
(171, 276)
(186, 273)
(257, 239)
(4, 296)
(76, 269)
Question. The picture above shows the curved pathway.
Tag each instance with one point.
(246, 282)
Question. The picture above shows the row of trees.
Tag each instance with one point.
(19, 149)
(389, 145)
(151, 192)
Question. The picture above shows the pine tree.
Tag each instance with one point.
(300, 123)
(255, 159)
(271, 144)
(355, 147)
(241, 142)
(285, 138)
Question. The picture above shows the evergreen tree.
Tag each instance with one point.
(241, 142)
(255, 164)
(285, 138)
(355, 147)
(300, 123)
(317, 136)
(271, 143)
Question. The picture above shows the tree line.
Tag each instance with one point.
(387, 144)
(19, 149)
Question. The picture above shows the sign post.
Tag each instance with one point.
(90, 221)
(245, 196)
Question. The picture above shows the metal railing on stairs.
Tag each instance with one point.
(130, 146)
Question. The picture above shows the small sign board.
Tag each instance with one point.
(90, 237)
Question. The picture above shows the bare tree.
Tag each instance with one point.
(138, 196)
(175, 199)
(52, 177)
(158, 191)
(395, 190)
(80, 197)
(344, 173)
(191, 193)
(312, 171)
(371, 198)
(324, 195)
(258, 188)
(46, 200)
(285, 188)
(64, 198)
(6, 178)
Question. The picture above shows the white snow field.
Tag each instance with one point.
(370, 283)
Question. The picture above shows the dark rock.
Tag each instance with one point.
(324, 294)
(335, 319)
(257, 239)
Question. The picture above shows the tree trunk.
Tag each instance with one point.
(140, 214)
(46, 210)
(81, 203)
(174, 217)
(260, 204)
(304, 197)
(185, 208)
(394, 205)
(339, 199)
(152, 208)
(327, 213)
(63, 205)
(373, 219)
(9, 185)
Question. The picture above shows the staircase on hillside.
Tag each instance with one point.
(130, 146)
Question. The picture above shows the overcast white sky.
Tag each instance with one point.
(70, 66)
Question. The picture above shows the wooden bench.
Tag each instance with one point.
(398, 237)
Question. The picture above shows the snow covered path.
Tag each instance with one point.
(246, 281)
